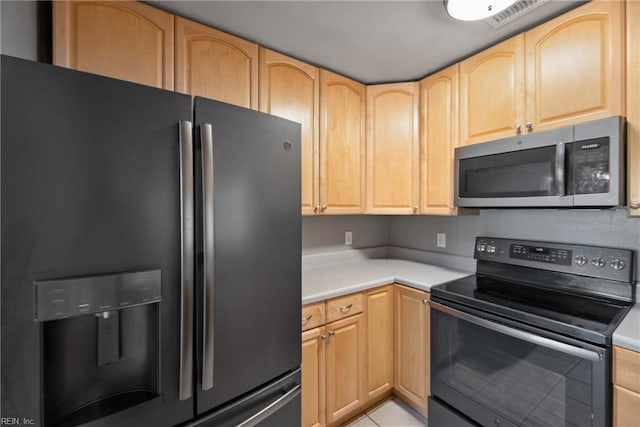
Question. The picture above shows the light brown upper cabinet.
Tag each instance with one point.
(393, 159)
(575, 66)
(492, 92)
(342, 145)
(290, 89)
(633, 107)
(125, 39)
(438, 139)
(216, 65)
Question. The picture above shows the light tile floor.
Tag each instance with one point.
(390, 413)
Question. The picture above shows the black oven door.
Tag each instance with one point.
(499, 374)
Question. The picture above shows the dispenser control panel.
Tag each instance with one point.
(62, 298)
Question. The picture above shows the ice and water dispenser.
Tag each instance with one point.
(100, 351)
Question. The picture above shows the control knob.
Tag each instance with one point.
(480, 247)
(617, 264)
(580, 259)
(491, 249)
(598, 261)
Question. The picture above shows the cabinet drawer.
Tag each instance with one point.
(626, 368)
(626, 407)
(341, 307)
(313, 315)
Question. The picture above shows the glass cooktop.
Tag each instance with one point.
(580, 317)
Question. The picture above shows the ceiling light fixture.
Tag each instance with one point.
(474, 10)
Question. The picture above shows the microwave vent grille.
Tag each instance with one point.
(513, 12)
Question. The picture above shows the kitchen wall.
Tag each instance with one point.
(19, 29)
(326, 233)
(609, 227)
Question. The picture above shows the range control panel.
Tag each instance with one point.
(541, 254)
(594, 261)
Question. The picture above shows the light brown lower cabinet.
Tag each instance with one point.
(368, 345)
(411, 373)
(626, 388)
(379, 314)
(313, 378)
(345, 367)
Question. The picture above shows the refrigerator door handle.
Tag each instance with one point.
(187, 240)
(206, 136)
(267, 411)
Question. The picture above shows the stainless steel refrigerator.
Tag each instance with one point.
(150, 256)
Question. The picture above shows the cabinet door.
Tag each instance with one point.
(216, 65)
(438, 139)
(290, 89)
(379, 315)
(575, 66)
(313, 377)
(342, 144)
(127, 40)
(492, 92)
(345, 367)
(411, 375)
(633, 106)
(393, 148)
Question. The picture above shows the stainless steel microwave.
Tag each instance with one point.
(580, 165)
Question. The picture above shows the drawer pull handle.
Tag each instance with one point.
(306, 319)
(345, 308)
(424, 301)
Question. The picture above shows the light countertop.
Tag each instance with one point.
(628, 333)
(321, 282)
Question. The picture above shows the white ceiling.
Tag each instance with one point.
(370, 41)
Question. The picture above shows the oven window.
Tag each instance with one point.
(524, 383)
(515, 174)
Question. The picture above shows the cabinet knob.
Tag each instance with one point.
(331, 333)
(425, 301)
(634, 204)
(517, 127)
(415, 209)
(316, 209)
(529, 126)
(323, 208)
(323, 337)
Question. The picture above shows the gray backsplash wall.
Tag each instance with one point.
(19, 29)
(610, 227)
(326, 233)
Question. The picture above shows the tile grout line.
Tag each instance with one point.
(372, 420)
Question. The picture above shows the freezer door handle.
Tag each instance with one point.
(271, 409)
(186, 259)
(206, 136)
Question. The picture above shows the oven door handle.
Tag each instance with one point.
(582, 353)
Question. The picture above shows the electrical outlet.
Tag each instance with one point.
(441, 240)
(348, 237)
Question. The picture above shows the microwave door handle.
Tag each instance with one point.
(559, 169)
